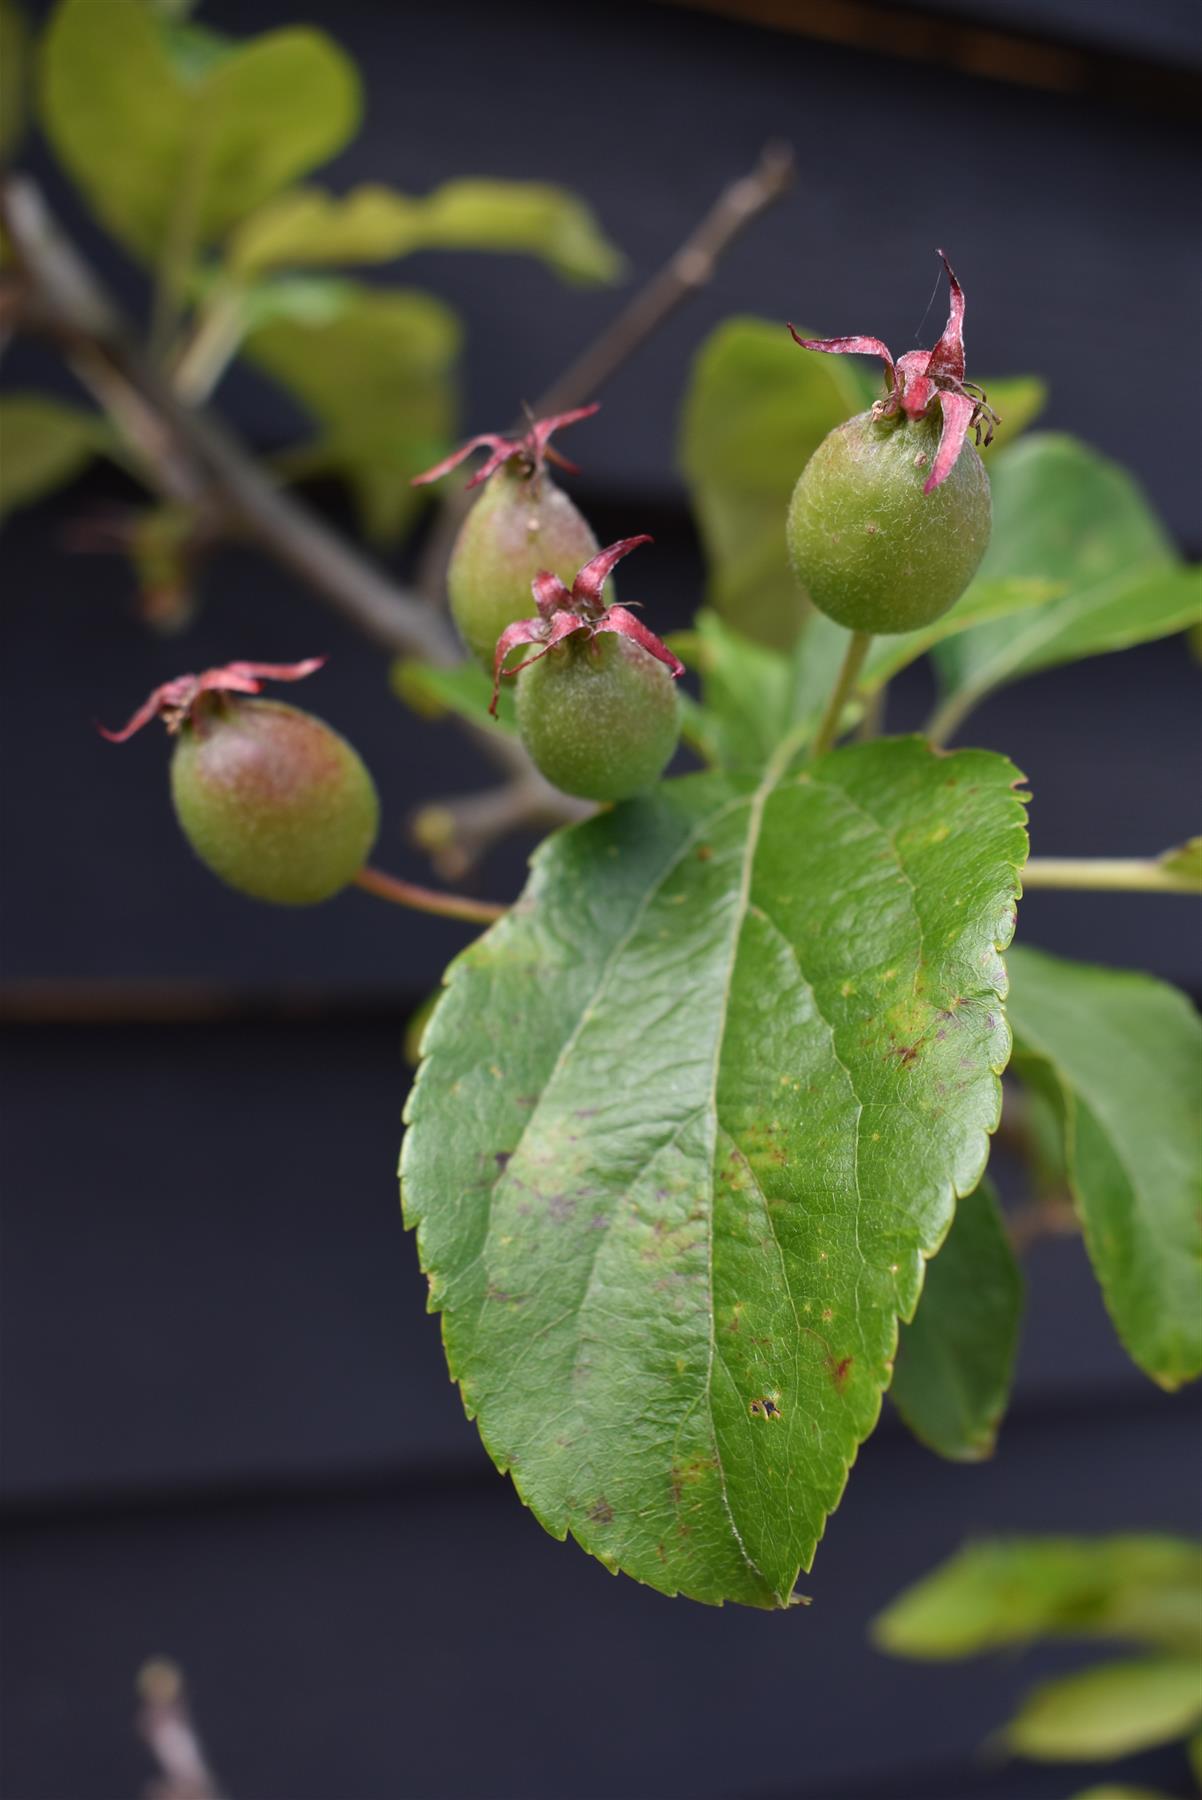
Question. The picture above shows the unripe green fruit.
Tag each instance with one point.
(869, 547)
(520, 525)
(599, 717)
(273, 800)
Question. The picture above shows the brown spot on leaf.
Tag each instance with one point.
(601, 1512)
(765, 1406)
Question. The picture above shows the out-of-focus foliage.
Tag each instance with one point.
(43, 443)
(186, 145)
(1014, 1592)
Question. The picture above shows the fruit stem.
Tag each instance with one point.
(857, 649)
(1118, 874)
(427, 900)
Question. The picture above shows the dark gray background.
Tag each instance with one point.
(228, 1434)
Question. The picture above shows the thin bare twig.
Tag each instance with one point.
(165, 1724)
(456, 832)
(685, 273)
(427, 900)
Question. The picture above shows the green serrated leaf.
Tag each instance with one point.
(372, 224)
(1113, 1710)
(376, 374)
(1064, 514)
(687, 1123)
(955, 1360)
(752, 695)
(43, 444)
(1185, 862)
(464, 690)
(1121, 1054)
(147, 124)
(1014, 1591)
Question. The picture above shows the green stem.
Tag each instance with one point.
(857, 649)
(1117, 874)
(427, 900)
(219, 330)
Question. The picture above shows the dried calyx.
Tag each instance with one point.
(923, 379)
(175, 702)
(578, 613)
(530, 451)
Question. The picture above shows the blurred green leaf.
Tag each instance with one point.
(1120, 1054)
(464, 690)
(1113, 1710)
(955, 1359)
(1018, 401)
(1062, 513)
(43, 444)
(308, 228)
(1120, 1790)
(1015, 1591)
(757, 408)
(375, 372)
(155, 121)
(14, 77)
(1184, 861)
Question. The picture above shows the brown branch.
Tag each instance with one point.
(455, 833)
(183, 452)
(684, 274)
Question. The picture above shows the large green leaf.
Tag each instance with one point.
(43, 443)
(956, 1357)
(1014, 1591)
(1062, 513)
(1120, 1056)
(159, 123)
(757, 408)
(308, 228)
(1113, 1710)
(376, 374)
(688, 1121)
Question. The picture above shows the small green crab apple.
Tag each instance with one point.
(596, 705)
(521, 523)
(890, 517)
(271, 799)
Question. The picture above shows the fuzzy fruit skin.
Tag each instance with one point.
(520, 525)
(870, 548)
(273, 800)
(600, 718)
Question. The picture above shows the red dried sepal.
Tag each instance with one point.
(849, 346)
(562, 614)
(619, 620)
(922, 378)
(533, 446)
(545, 632)
(591, 579)
(175, 701)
